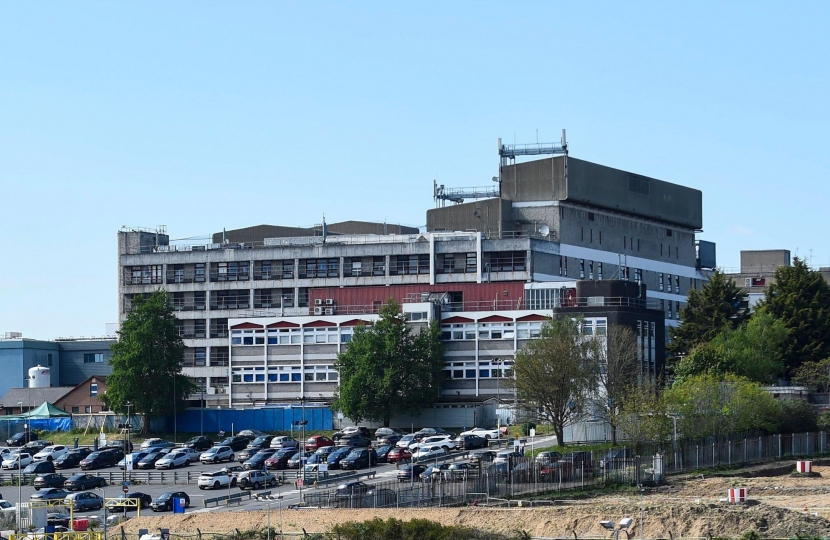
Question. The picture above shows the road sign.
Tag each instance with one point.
(125, 489)
(230, 473)
(532, 432)
(128, 462)
(323, 467)
(125, 483)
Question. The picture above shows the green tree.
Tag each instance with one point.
(644, 417)
(800, 297)
(388, 369)
(618, 374)
(556, 373)
(753, 351)
(146, 361)
(814, 375)
(717, 305)
(709, 405)
(796, 416)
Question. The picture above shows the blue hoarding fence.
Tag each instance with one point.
(195, 420)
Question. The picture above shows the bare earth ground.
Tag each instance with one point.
(779, 506)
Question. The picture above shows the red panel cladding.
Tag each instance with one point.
(315, 324)
(471, 292)
(496, 318)
(533, 318)
(246, 325)
(283, 324)
(356, 322)
(457, 319)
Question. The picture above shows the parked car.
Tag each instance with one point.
(256, 480)
(350, 430)
(616, 457)
(547, 457)
(316, 442)
(39, 467)
(428, 432)
(80, 482)
(257, 461)
(389, 431)
(49, 480)
(484, 458)
(101, 459)
(21, 438)
(155, 442)
(236, 443)
(217, 454)
(388, 440)
(335, 457)
(51, 453)
(383, 451)
(248, 453)
(58, 519)
(351, 490)
(200, 443)
(50, 494)
(165, 500)
(121, 444)
(354, 439)
(33, 447)
(176, 458)
(137, 456)
(279, 459)
(459, 471)
(295, 460)
(72, 458)
(324, 452)
(485, 433)
(263, 441)
(285, 441)
(444, 441)
(359, 458)
(472, 442)
(412, 438)
(86, 500)
(15, 461)
(398, 454)
(215, 479)
(410, 472)
(149, 461)
(119, 504)
(580, 461)
(426, 453)
(7, 509)
(250, 434)
(434, 472)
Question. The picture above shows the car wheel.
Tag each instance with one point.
(446, 449)
(233, 482)
(82, 487)
(216, 485)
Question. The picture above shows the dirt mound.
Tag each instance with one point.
(661, 520)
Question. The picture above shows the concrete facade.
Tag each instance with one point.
(757, 272)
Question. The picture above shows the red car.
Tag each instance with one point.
(318, 441)
(398, 454)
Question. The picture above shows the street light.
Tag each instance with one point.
(104, 497)
(268, 500)
(624, 524)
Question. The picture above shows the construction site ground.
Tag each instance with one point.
(779, 505)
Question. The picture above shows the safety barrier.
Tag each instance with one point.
(235, 498)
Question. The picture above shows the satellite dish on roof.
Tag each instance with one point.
(544, 230)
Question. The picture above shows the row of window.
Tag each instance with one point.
(286, 374)
(292, 336)
(93, 358)
(483, 331)
(479, 370)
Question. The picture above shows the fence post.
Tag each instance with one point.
(760, 446)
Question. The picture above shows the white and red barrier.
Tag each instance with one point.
(804, 467)
(737, 495)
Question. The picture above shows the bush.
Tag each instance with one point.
(417, 529)
(526, 427)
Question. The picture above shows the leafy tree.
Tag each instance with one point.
(644, 417)
(753, 351)
(555, 373)
(719, 304)
(146, 361)
(800, 297)
(814, 375)
(823, 421)
(709, 405)
(796, 416)
(387, 369)
(618, 374)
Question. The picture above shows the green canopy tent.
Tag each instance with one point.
(45, 417)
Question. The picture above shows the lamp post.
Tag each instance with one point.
(175, 431)
(20, 487)
(498, 362)
(104, 497)
(268, 500)
(624, 524)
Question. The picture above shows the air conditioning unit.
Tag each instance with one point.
(329, 301)
(210, 390)
(318, 302)
(318, 311)
(329, 311)
(223, 390)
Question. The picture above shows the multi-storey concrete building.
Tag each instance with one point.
(264, 310)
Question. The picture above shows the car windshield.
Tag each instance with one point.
(407, 438)
(164, 496)
(228, 441)
(354, 454)
(261, 439)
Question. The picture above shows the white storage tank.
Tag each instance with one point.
(40, 377)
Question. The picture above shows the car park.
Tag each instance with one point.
(49, 480)
(250, 434)
(155, 442)
(316, 442)
(482, 459)
(101, 459)
(120, 503)
(86, 500)
(215, 479)
(354, 439)
(444, 441)
(199, 443)
(484, 433)
(80, 482)
(472, 442)
(263, 441)
(335, 457)
(176, 458)
(50, 494)
(217, 454)
(236, 443)
(284, 441)
(398, 455)
(15, 461)
(149, 461)
(50, 453)
(412, 438)
(257, 461)
(279, 459)
(165, 500)
(248, 453)
(137, 456)
(547, 457)
(39, 467)
(429, 432)
(256, 480)
(410, 472)
(383, 451)
(434, 472)
(295, 460)
(429, 452)
(21, 438)
(72, 458)
(324, 452)
(359, 458)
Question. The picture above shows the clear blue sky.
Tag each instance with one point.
(204, 115)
